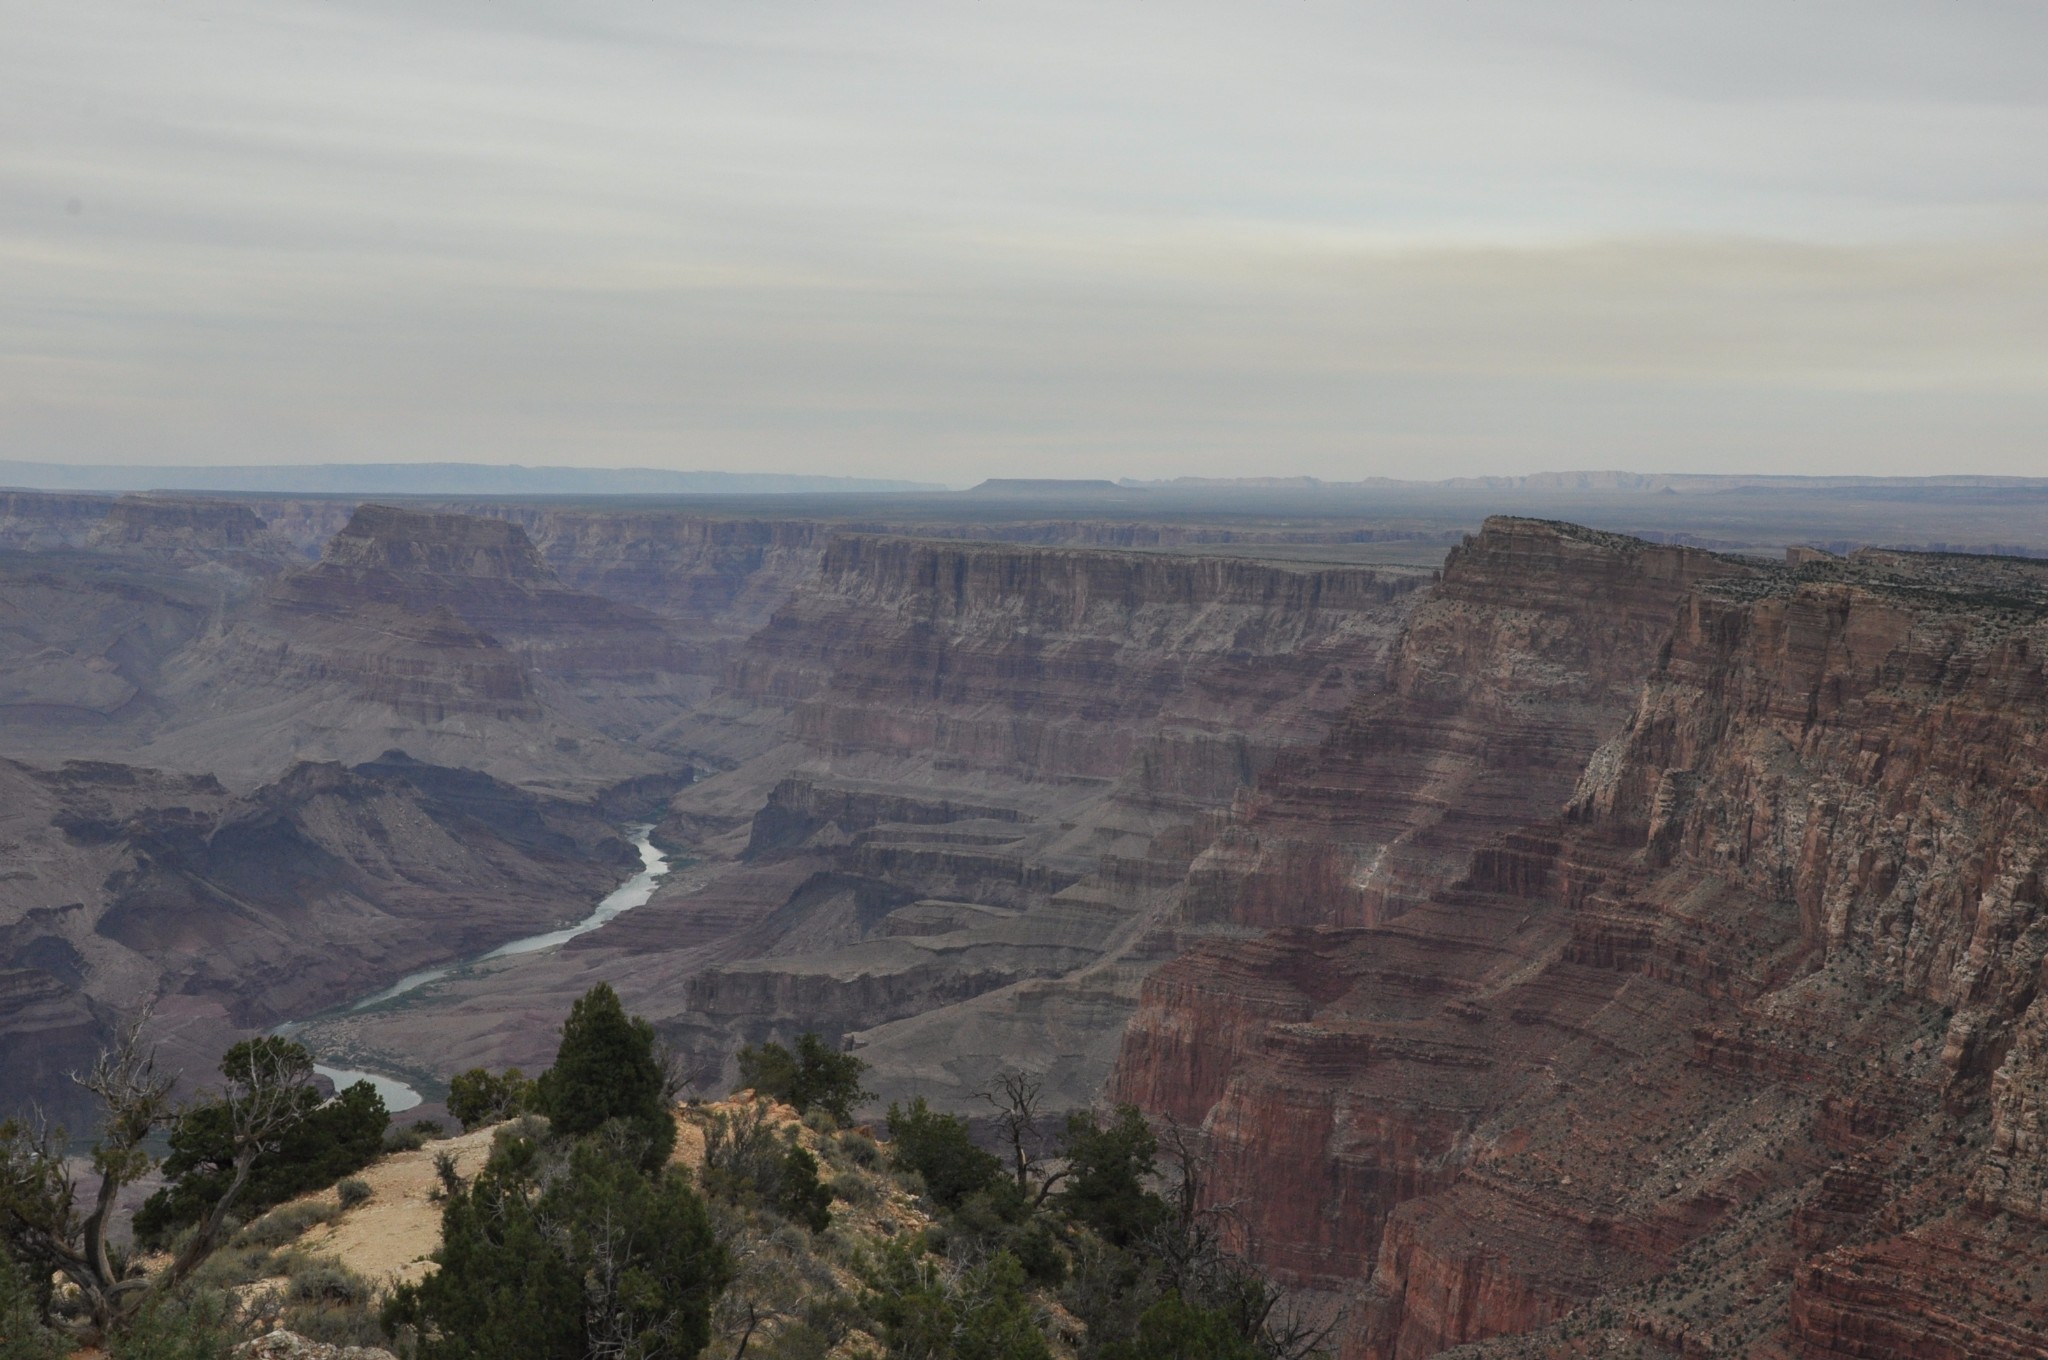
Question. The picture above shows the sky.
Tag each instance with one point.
(947, 241)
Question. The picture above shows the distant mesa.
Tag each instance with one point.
(1047, 486)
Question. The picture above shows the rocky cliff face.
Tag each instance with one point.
(42, 520)
(720, 578)
(445, 635)
(1059, 664)
(1728, 1048)
(185, 531)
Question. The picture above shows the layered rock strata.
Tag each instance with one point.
(1726, 1050)
(445, 635)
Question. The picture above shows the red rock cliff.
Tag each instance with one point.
(1737, 1056)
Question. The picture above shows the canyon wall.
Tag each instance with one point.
(1729, 1047)
(443, 635)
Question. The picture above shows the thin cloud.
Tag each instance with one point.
(926, 241)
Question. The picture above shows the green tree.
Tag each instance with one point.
(814, 1076)
(502, 1289)
(939, 1148)
(45, 1221)
(476, 1097)
(325, 1142)
(984, 1315)
(1174, 1329)
(607, 1069)
(1107, 1167)
(555, 1254)
(802, 1197)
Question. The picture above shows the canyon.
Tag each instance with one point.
(1554, 940)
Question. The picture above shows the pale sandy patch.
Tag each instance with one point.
(388, 1238)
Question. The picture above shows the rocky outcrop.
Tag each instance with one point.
(284, 1345)
(190, 532)
(45, 520)
(1702, 1055)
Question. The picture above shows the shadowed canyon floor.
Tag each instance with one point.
(1573, 945)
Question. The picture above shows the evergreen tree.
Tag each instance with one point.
(502, 1289)
(559, 1253)
(1174, 1329)
(606, 1069)
(1106, 1172)
(813, 1077)
(802, 1197)
(939, 1148)
(325, 1142)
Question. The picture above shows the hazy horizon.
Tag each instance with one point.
(910, 242)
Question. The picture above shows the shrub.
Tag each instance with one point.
(860, 1149)
(938, 1148)
(1173, 1329)
(352, 1191)
(813, 1076)
(798, 1341)
(22, 1333)
(286, 1223)
(194, 1325)
(318, 1280)
(409, 1139)
(984, 1315)
(1038, 1252)
(850, 1188)
(743, 1157)
(801, 1198)
(477, 1098)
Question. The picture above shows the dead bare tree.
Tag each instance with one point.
(42, 1214)
(1018, 1099)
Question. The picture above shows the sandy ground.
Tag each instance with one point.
(388, 1239)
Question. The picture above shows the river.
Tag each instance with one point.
(634, 892)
